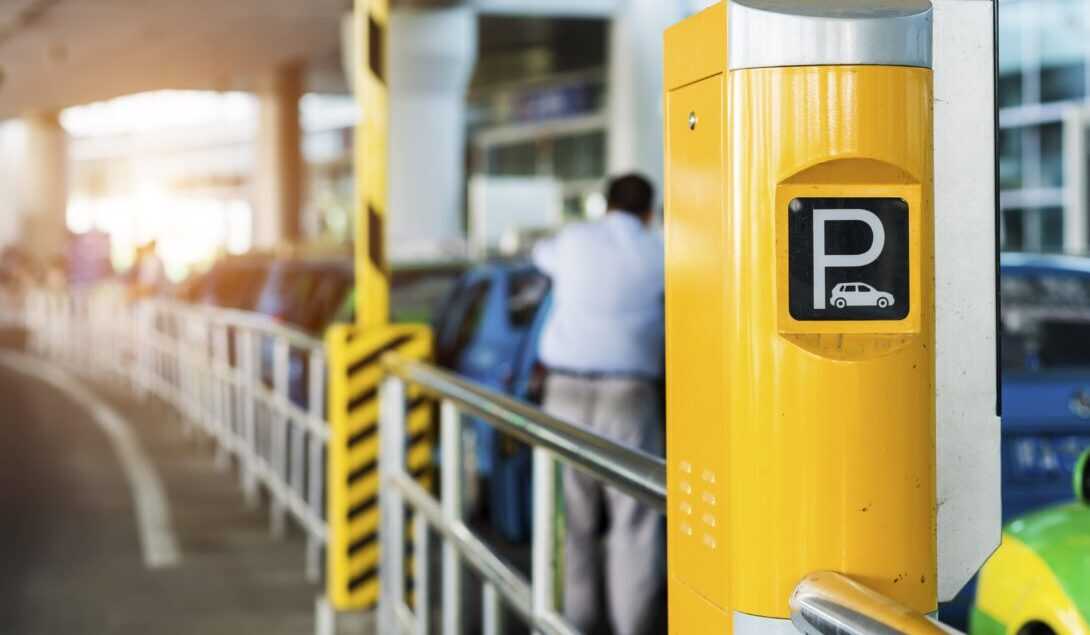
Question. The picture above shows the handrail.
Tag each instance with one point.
(634, 471)
(252, 321)
(828, 603)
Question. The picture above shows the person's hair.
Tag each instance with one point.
(630, 193)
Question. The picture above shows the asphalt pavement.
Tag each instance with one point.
(71, 557)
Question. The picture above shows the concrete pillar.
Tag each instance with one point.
(432, 56)
(44, 173)
(279, 176)
(635, 85)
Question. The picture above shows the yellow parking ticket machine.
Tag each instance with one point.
(800, 306)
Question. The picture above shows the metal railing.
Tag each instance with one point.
(254, 386)
(828, 603)
(258, 389)
(553, 440)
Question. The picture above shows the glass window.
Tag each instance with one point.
(1059, 27)
(1052, 228)
(1014, 233)
(1010, 158)
(581, 156)
(1046, 320)
(1010, 90)
(518, 159)
(465, 318)
(1061, 83)
(1052, 159)
(526, 290)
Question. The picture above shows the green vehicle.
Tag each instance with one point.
(1038, 581)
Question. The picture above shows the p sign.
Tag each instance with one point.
(848, 259)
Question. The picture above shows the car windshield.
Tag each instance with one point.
(1045, 322)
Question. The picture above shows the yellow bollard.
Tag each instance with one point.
(799, 307)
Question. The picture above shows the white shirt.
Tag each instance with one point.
(607, 314)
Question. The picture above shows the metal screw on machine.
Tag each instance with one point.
(693, 120)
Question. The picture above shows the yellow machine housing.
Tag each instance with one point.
(793, 445)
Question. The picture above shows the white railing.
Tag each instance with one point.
(254, 386)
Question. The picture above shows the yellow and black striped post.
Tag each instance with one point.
(355, 356)
(355, 352)
(372, 158)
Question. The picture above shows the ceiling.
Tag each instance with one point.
(59, 53)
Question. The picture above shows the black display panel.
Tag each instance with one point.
(848, 259)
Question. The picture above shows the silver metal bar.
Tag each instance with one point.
(392, 522)
(450, 444)
(421, 583)
(315, 465)
(247, 370)
(636, 472)
(476, 554)
(491, 611)
(543, 545)
(828, 603)
(278, 424)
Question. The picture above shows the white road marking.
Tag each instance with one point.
(157, 538)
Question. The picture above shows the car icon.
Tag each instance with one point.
(848, 294)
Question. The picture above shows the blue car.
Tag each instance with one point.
(488, 332)
(1045, 343)
(1045, 365)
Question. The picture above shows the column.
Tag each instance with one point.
(279, 171)
(635, 85)
(44, 200)
(1076, 238)
(432, 56)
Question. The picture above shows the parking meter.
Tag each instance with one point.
(800, 306)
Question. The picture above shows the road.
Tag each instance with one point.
(71, 556)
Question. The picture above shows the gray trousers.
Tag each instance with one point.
(614, 545)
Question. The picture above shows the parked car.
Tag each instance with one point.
(1038, 582)
(1045, 389)
(488, 332)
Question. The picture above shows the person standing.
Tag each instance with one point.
(603, 347)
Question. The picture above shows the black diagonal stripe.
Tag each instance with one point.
(419, 437)
(363, 578)
(418, 402)
(370, 431)
(363, 507)
(363, 399)
(421, 471)
(376, 40)
(362, 471)
(363, 543)
(377, 355)
(376, 239)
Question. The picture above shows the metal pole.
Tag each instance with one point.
(421, 565)
(316, 482)
(492, 611)
(278, 423)
(392, 522)
(451, 448)
(248, 453)
(543, 539)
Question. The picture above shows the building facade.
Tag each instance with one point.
(1044, 116)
